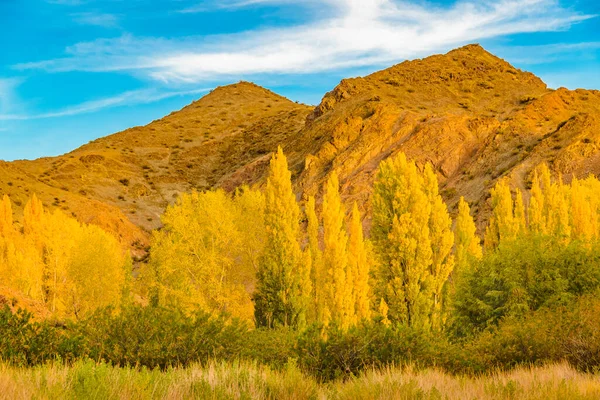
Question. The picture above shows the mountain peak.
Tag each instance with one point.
(242, 90)
(472, 47)
(468, 77)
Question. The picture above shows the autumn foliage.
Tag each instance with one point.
(69, 267)
(261, 274)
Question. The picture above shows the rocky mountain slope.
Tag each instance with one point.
(472, 115)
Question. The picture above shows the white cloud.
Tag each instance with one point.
(9, 100)
(96, 19)
(134, 97)
(66, 2)
(234, 4)
(356, 33)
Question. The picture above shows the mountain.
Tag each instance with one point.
(472, 115)
(123, 182)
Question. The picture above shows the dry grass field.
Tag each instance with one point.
(88, 380)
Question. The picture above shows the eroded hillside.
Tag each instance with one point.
(472, 115)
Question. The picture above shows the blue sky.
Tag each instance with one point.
(75, 70)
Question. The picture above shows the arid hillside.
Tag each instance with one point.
(124, 182)
(472, 115)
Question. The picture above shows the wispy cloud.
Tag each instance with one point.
(96, 19)
(547, 53)
(67, 2)
(235, 4)
(134, 97)
(356, 33)
(9, 100)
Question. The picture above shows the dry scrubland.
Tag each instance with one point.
(249, 381)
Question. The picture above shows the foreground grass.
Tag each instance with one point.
(88, 380)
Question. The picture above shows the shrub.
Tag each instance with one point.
(160, 337)
(25, 342)
(523, 276)
(346, 354)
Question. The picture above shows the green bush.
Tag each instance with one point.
(160, 337)
(339, 354)
(156, 337)
(522, 276)
(26, 342)
(273, 347)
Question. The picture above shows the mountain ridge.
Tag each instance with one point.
(471, 114)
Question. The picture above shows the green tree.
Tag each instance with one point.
(412, 239)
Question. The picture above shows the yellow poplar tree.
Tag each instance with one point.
(7, 247)
(316, 261)
(60, 234)
(6, 217)
(279, 292)
(584, 209)
(402, 241)
(20, 262)
(6, 240)
(520, 217)
(95, 272)
(358, 266)
(32, 215)
(70, 267)
(207, 253)
(502, 224)
(340, 307)
(537, 220)
(563, 211)
(442, 241)
(467, 246)
(551, 205)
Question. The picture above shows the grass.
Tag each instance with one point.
(88, 380)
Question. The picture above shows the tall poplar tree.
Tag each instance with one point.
(411, 236)
(442, 241)
(467, 245)
(502, 224)
(537, 220)
(520, 217)
(338, 298)
(6, 217)
(358, 267)
(32, 214)
(316, 261)
(278, 297)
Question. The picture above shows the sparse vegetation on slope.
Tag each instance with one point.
(472, 115)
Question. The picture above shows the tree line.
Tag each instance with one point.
(266, 258)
